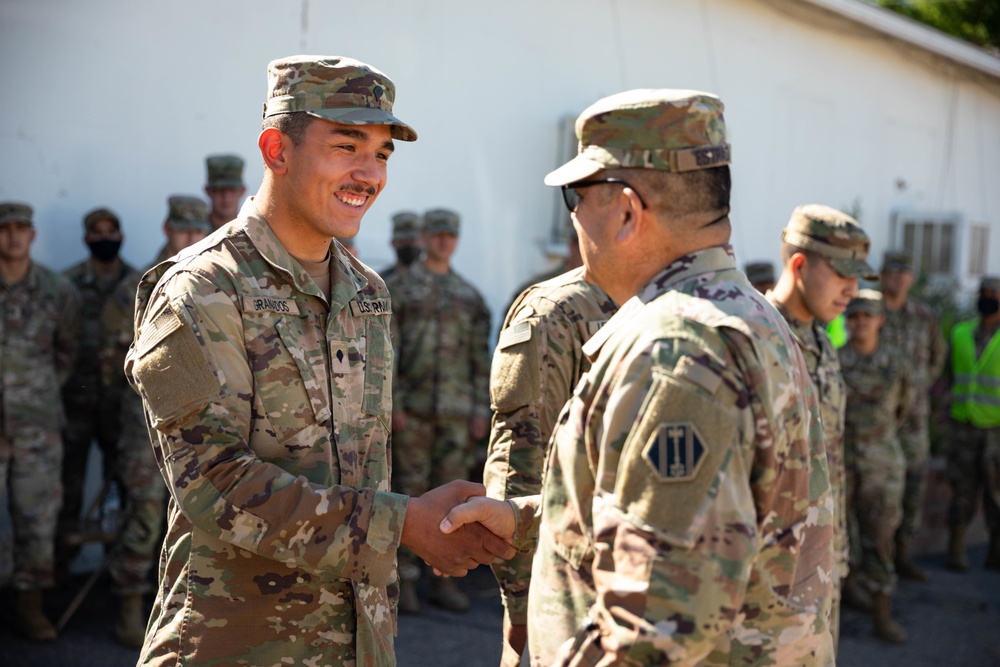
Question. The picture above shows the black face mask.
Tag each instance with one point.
(407, 255)
(104, 250)
(987, 305)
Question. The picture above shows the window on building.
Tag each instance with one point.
(930, 239)
(979, 243)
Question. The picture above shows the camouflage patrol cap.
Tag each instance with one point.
(896, 260)
(990, 283)
(831, 234)
(342, 90)
(224, 171)
(867, 301)
(405, 226)
(99, 214)
(188, 213)
(12, 211)
(441, 220)
(759, 272)
(669, 130)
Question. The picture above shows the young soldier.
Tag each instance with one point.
(974, 452)
(823, 253)
(879, 397)
(224, 187)
(40, 316)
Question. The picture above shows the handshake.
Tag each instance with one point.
(455, 527)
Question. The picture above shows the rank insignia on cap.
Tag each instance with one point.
(675, 452)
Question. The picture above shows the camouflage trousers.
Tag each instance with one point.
(429, 452)
(30, 467)
(880, 473)
(145, 503)
(914, 437)
(974, 468)
(88, 420)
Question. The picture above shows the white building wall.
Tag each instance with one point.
(116, 103)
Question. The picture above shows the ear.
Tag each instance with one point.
(632, 215)
(273, 144)
(795, 264)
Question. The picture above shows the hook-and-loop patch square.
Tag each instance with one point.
(675, 451)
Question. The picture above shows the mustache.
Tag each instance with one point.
(359, 189)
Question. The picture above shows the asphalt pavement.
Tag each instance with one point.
(953, 621)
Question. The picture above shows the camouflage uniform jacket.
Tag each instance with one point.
(538, 360)
(269, 411)
(914, 331)
(688, 482)
(440, 334)
(39, 332)
(85, 383)
(824, 370)
(880, 394)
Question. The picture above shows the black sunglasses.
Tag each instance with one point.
(572, 198)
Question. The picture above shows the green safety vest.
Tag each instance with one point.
(975, 391)
(837, 329)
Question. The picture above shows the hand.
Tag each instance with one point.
(463, 547)
(479, 428)
(398, 420)
(515, 636)
(496, 515)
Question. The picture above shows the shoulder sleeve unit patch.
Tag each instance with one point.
(675, 451)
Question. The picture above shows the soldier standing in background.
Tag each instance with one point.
(224, 187)
(440, 336)
(537, 362)
(823, 253)
(406, 242)
(760, 275)
(879, 397)
(572, 261)
(145, 494)
(686, 516)
(912, 328)
(91, 406)
(974, 450)
(40, 313)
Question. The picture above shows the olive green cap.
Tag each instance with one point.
(224, 171)
(441, 220)
(12, 211)
(99, 214)
(669, 130)
(338, 89)
(833, 235)
(188, 213)
(867, 301)
(896, 260)
(759, 272)
(405, 226)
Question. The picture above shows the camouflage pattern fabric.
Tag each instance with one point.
(686, 516)
(879, 397)
(824, 370)
(537, 362)
(833, 235)
(268, 409)
(91, 406)
(440, 333)
(145, 492)
(40, 330)
(974, 472)
(914, 330)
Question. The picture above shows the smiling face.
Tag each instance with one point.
(333, 176)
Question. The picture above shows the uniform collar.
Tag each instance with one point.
(347, 280)
(682, 270)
